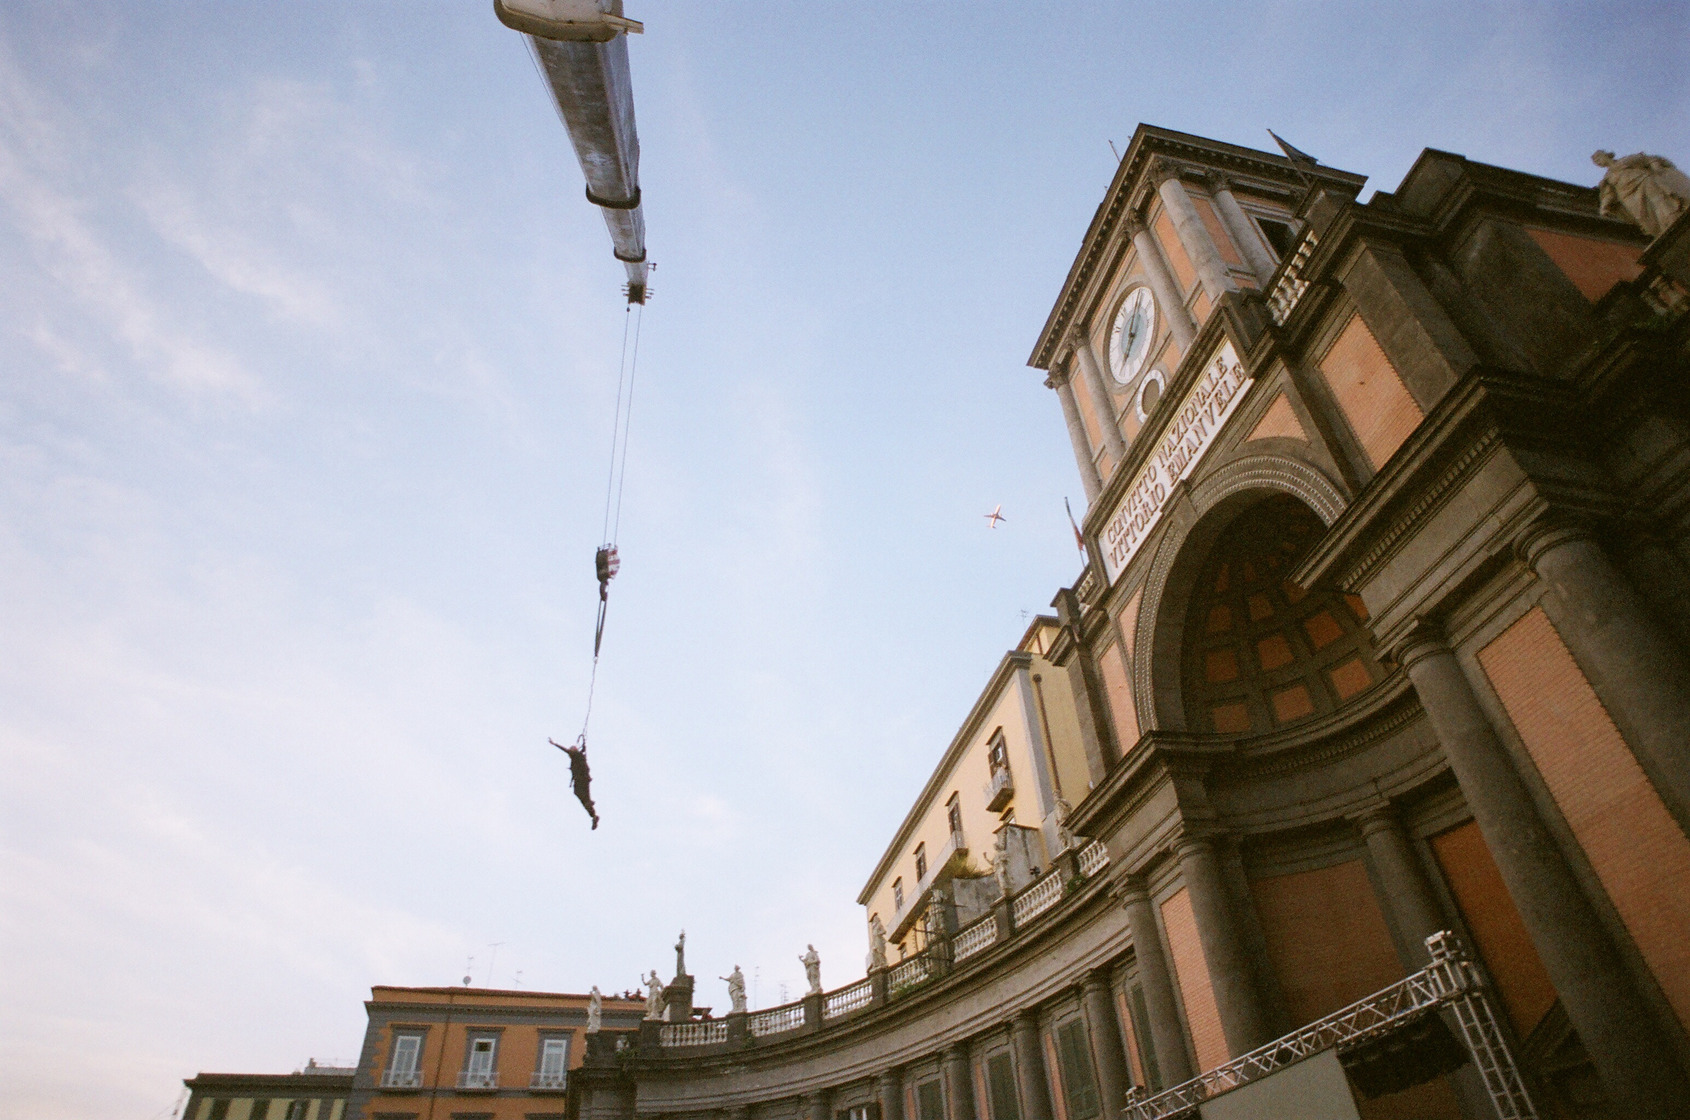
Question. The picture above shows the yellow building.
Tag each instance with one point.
(313, 1093)
(1015, 767)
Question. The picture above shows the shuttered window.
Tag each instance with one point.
(1000, 1088)
(1073, 1057)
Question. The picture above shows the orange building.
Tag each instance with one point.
(473, 1053)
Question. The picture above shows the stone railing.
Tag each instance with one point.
(777, 1020)
(975, 938)
(847, 1000)
(707, 1033)
(817, 1012)
(1291, 285)
(909, 972)
(1094, 857)
(1036, 899)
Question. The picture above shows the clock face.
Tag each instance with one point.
(1129, 342)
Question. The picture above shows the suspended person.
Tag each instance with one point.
(580, 778)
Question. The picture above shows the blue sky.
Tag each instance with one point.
(308, 349)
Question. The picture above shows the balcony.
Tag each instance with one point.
(1000, 790)
(548, 1082)
(401, 1079)
(478, 1080)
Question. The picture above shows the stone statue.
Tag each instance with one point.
(1000, 860)
(813, 969)
(595, 1010)
(653, 996)
(876, 943)
(1065, 835)
(1647, 189)
(681, 956)
(736, 990)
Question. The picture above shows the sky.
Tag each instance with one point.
(308, 362)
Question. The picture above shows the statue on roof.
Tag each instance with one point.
(681, 956)
(736, 990)
(595, 1010)
(812, 962)
(1648, 190)
(876, 943)
(1065, 835)
(653, 996)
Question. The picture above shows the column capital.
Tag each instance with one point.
(1128, 888)
(1217, 180)
(1378, 816)
(957, 1052)
(1057, 377)
(1161, 170)
(1424, 639)
(1075, 337)
(1135, 225)
(1546, 533)
(1197, 843)
(1027, 1018)
(889, 1079)
(1099, 979)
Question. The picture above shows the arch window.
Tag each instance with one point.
(1260, 652)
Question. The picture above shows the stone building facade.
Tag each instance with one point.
(1383, 632)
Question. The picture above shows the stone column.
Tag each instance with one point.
(889, 1091)
(1408, 897)
(1637, 669)
(1637, 1065)
(1060, 381)
(1168, 299)
(1193, 234)
(1030, 1062)
(1241, 229)
(959, 1083)
(1156, 981)
(1244, 1018)
(1097, 385)
(819, 1105)
(1110, 1056)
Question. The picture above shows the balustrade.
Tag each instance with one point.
(1036, 899)
(975, 938)
(705, 1033)
(847, 1000)
(777, 1020)
(1094, 857)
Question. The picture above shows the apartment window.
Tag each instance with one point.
(219, 1110)
(997, 752)
(1000, 1088)
(953, 813)
(860, 1112)
(1073, 1059)
(403, 1062)
(478, 1063)
(297, 1110)
(898, 893)
(260, 1110)
(929, 1101)
(920, 862)
(1278, 235)
(554, 1056)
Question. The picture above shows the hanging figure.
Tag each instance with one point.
(580, 778)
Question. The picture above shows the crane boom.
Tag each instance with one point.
(582, 50)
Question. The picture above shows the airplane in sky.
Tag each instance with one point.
(994, 517)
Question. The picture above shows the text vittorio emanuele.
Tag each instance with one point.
(1199, 418)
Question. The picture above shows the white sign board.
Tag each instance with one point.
(1196, 423)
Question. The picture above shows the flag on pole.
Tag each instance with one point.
(1079, 540)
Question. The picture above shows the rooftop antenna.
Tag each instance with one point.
(1112, 149)
(469, 970)
(491, 960)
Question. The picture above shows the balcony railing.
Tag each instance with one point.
(553, 1082)
(706, 1033)
(1036, 899)
(999, 790)
(910, 972)
(975, 938)
(777, 1020)
(487, 1080)
(847, 1000)
(1094, 857)
(401, 1079)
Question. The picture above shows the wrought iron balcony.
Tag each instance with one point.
(478, 1079)
(401, 1079)
(555, 1082)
